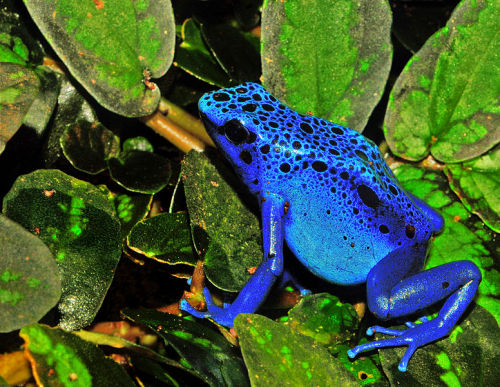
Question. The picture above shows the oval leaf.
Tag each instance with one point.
(87, 146)
(274, 352)
(29, 278)
(446, 99)
(193, 57)
(59, 358)
(111, 47)
(77, 222)
(165, 238)
(19, 87)
(477, 184)
(206, 352)
(331, 58)
(225, 231)
(140, 171)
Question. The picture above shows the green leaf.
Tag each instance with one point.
(19, 87)
(193, 57)
(165, 238)
(29, 278)
(87, 146)
(324, 318)
(204, 351)
(467, 357)
(446, 99)
(43, 106)
(62, 359)
(463, 237)
(225, 231)
(78, 224)
(233, 51)
(330, 58)
(130, 208)
(111, 47)
(138, 143)
(140, 171)
(477, 184)
(366, 369)
(276, 354)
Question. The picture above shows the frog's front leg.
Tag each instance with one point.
(395, 288)
(257, 288)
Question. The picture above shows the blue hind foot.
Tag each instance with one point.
(223, 316)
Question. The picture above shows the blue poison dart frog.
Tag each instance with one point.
(326, 190)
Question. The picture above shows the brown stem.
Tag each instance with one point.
(173, 133)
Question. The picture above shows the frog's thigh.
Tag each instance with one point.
(395, 287)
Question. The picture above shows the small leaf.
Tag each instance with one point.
(165, 238)
(29, 278)
(111, 47)
(137, 143)
(61, 359)
(224, 41)
(193, 57)
(205, 351)
(330, 58)
(225, 231)
(446, 99)
(274, 352)
(87, 146)
(19, 87)
(78, 224)
(43, 106)
(467, 357)
(130, 208)
(324, 318)
(140, 171)
(477, 184)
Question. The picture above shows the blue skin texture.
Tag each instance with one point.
(326, 190)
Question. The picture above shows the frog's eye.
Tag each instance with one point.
(235, 132)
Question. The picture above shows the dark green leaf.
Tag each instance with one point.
(78, 224)
(71, 107)
(87, 146)
(331, 58)
(19, 87)
(205, 351)
(276, 354)
(468, 357)
(233, 51)
(111, 47)
(29, 278)
(224, 229)
(193, 57)
(61, 359)
(446, 100)
(477, 184)
(165, 238)
(140, 171)
(43, 106)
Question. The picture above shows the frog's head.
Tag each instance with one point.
(232, 121)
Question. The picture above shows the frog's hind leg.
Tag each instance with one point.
(395, 289)
(257, 288)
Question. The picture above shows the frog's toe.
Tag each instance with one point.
(186, 307)
(370, 331)
(422, 319)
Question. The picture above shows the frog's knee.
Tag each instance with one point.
(379, 306)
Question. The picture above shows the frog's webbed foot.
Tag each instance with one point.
(392, 296)
(223, 316)
(414, 337)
